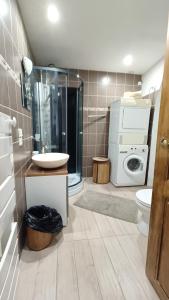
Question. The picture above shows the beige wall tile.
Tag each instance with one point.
(92, 101)
(13, 46)
(102, 101)
(2, 43)
(92, 127)
(84, 74)
(93, 76)
(137, 78)
(102, 89)
(91, 139)
(121, 78)
(91, 151)
(100, 76)
(111, 90)
(89, 171)
(113, 78)
(119, 90)
(92, 89)
(129, 79)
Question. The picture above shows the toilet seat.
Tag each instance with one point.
(144, 197)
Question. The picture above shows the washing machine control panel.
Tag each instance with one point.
(134, 149)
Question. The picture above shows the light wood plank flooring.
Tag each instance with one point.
(95, 258)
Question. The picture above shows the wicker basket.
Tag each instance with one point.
(37, 240)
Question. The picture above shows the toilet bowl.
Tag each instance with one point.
(143, 202)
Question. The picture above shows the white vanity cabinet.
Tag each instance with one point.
(48, 187)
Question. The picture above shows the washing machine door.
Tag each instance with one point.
(134, 165)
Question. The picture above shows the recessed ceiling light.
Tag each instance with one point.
(53, 13)
(3, 8)
(128, 60)
(105, 80)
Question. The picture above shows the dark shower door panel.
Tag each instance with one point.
(72, 128)
(75, 135)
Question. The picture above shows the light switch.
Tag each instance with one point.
(20, 136)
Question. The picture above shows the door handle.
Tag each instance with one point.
(164, 142)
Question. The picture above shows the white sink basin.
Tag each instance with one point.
(50, 160)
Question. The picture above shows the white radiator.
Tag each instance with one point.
(8, 228)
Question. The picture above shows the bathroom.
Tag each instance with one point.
(61, 73)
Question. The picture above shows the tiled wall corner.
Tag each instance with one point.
(97, 99)
(13, 46)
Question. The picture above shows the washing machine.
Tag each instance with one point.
(128, 164)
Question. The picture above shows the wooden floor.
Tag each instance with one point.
(96, 257)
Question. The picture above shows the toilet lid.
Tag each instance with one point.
(144, 197)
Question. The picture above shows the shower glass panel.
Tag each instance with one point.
(80, 130)
(49, 110)
(57, 109)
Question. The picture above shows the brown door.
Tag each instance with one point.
(157, 267)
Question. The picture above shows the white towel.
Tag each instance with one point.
(132, 94)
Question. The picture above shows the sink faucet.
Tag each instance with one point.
(44, 148)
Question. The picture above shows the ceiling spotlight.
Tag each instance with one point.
(128, 60)
(3, 8)
(53, 13)
(105, 80)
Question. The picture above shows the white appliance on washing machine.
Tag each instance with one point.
(128, 164)
(129, 121)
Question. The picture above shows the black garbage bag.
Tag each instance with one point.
(43, 218)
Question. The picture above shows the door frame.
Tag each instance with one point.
(160, 187)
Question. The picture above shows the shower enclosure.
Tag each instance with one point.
(57, 108)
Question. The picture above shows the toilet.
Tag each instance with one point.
(143, 202)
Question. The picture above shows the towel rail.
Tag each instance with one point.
(96, 116)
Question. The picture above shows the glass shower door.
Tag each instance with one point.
(80, 131)
(50, 117)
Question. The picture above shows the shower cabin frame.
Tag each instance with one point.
(58, 70)
(79, 115)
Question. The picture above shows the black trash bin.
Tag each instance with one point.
(41, 223)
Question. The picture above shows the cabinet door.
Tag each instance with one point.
(136, 118)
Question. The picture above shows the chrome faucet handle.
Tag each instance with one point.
(44, 147)
(43, 150)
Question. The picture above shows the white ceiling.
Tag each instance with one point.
(97, 34)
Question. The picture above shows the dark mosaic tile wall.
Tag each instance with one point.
(97, 99)
(13, 46)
